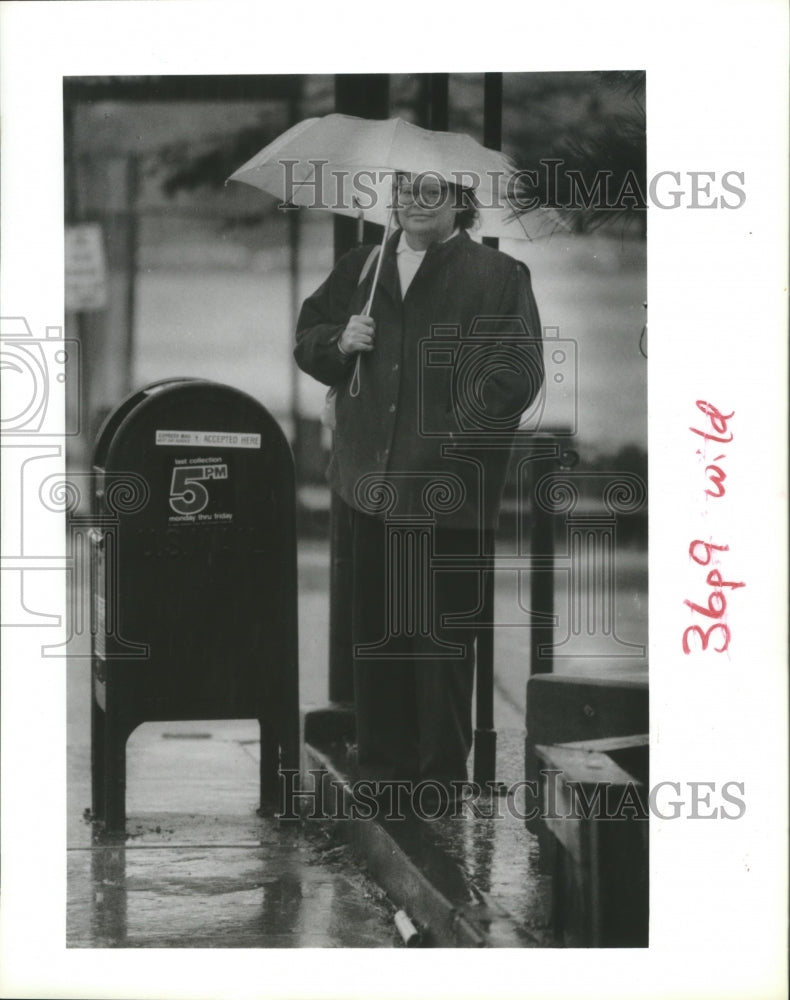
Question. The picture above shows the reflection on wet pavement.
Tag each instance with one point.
(477, 856)
(279, 894)
(499, 861)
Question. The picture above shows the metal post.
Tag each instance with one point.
(341, 662)
(439, 102)
(485, 734)
(293, 254)
(132, 191)
(366, 95)
(294, 231)
(75, 325)
(492, 124)
(492, 110)
(541, 587)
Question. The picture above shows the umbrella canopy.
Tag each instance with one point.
(346, 164)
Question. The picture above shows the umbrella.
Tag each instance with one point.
(346, 165)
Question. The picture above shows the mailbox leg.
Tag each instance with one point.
(290, 755)
(270, 764)
(97, 758)
(115, 775)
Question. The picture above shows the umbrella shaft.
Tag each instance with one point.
(356, 380)
(369, 303)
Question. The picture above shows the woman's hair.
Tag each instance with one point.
(468, 217)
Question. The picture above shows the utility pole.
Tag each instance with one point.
(366, 96)
(132, 242)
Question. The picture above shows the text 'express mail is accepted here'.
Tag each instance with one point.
(200, 439)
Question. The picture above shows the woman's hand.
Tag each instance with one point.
(358, 335)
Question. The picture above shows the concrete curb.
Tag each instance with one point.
(407, 862)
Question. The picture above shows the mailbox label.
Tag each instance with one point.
(190, 485)
(204, 439)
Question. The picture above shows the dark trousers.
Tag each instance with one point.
(413, 672)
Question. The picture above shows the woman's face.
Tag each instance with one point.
(426, 208)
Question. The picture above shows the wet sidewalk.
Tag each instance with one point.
(198, 868)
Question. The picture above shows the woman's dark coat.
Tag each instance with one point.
(456, 361)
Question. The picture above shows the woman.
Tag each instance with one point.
(451, 356)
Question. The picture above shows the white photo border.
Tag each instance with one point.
(717, 101)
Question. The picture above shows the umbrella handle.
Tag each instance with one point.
(356, 381)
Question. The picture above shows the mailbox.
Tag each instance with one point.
(193, 577)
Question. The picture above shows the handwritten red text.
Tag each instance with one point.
(716, 636)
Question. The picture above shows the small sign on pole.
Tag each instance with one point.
(86, 268)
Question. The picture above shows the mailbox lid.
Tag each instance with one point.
(110, 426)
